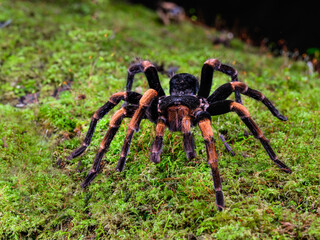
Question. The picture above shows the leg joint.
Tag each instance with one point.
(147, 97)
(146, 64)
(202, 115)
(239, 109)
(214, 63)
(117, 97)
(242, 87)
(206, 130)
(117, 118)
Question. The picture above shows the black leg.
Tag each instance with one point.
(104, 146)
(134, 124)
(151, 73)
(207, 134)
(207, 74)
(131, 97)
(225, 90)
(206, 81)
(113, 101)
(226, 106)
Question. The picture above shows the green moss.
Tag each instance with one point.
(92, 43)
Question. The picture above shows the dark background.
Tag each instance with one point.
(296, 22)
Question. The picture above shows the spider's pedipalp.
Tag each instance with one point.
(156, 146)
(225, 106)
(225, 90)
(207, 74)
(188, 142)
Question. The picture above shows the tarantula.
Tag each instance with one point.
(189, 104)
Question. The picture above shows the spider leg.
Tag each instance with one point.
(188, 141)
(131, 97)
(207, 134)
(207, 74)
(144, 103)
(156, 147)
(225, 106)
(104, 146)
(206, 81)
(150, 72)
(225, 90)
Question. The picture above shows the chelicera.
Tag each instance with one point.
(189, 104)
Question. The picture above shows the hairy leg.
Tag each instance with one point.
(207, 74)
(207, 134)
(104, 146)
(134, 124)
(206, 81)
(131, 97)
(150, 72)
(225, 90)
(225, 106)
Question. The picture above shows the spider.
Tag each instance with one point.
(189, 104)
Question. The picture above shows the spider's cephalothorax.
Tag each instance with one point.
(183, 84)
(189, 104)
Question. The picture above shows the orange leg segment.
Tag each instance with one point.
(207, 134)
(134, 124)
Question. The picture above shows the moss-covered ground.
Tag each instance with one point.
(91, 45)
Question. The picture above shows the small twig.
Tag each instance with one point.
(5, 24)
(226, 145)
(5, 145)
